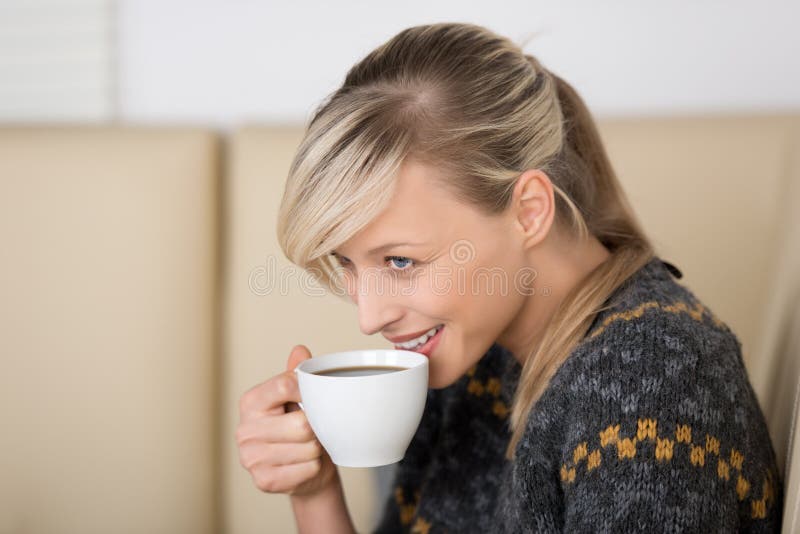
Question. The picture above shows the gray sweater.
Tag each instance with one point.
(650, 425)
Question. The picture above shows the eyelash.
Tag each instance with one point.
(344, 261)
(407, 268)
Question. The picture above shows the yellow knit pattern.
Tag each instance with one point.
(420, 526)
(491, 387)
(706, 451)
(407, 508)
(696, 311)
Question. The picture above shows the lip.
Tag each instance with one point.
(429, 346)
(402, 339)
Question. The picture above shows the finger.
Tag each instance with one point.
(284, 478)
(288, 427)
(297, 355)
(270, 396)
(252, 453)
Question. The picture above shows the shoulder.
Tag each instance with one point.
(656, 325)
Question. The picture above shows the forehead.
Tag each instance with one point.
(421, 209)
(421, 184)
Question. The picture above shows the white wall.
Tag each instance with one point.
(231, 61)
(57, 60)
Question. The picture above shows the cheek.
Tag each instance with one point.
(453, 297)
(442, 293)
(492, 294)
(433, 301)
(470, 296)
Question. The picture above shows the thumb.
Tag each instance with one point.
(298, 354)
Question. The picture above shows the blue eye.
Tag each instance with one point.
(401, 263)
(401, 259)
(340, 259)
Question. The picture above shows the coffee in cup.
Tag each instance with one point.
(363, 370)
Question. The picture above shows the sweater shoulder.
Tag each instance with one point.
(658, 348)
(651, 309)
(659, 382)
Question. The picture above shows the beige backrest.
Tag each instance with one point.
(107, 311)
(780, 370)
(791, 348)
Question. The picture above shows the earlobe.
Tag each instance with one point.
(532, 235)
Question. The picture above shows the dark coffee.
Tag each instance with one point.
(360, 370)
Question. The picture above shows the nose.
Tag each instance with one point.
(377, 307)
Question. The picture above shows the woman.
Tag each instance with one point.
(575, 384)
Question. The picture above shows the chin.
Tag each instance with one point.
(433, 384)
(434, 381)
(437, 381)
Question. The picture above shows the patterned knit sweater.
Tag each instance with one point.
(650, 425)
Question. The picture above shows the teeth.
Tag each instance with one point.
(420, 340)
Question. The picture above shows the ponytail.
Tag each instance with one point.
(598, 205)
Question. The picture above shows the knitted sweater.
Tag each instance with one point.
(650, 425)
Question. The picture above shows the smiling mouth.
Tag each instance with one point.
(425, 343)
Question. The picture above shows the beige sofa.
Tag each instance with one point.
(143, 292)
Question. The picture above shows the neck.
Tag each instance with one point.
(559, 267)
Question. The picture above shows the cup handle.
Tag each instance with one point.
(299, 403)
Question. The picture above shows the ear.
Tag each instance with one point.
(533, 205)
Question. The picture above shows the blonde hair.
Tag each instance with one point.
(471, 102)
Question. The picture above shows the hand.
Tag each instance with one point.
(276, 443)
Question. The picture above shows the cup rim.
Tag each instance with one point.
(423, 360)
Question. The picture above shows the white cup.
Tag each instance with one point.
(364, 421)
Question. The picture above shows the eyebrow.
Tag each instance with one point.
(385, 247)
